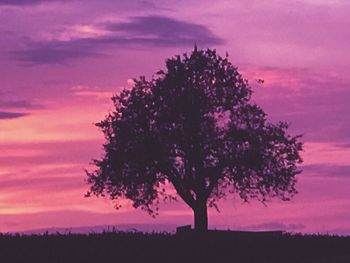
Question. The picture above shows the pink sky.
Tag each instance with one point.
(61, 61)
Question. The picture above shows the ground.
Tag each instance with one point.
(184, 247)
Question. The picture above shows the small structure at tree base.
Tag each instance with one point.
(187, 229)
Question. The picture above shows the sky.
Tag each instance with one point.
(61, 61)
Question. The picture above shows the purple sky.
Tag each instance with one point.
(61, 61)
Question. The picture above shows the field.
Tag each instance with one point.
(186, 247)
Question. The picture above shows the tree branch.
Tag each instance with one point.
(174, 178)
(214, 179)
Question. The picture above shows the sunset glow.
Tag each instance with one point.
(62, 61)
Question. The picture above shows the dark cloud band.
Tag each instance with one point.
(327, 170)
(11, 115)
(165, 30)
(18, 104)
(146, 31)
(24, 2)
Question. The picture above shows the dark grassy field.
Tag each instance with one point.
(188, 247)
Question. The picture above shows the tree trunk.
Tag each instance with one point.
(200, 217)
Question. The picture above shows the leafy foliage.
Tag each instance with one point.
(194, 126)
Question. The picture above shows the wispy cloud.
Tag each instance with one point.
(62, 183)
(96, 92)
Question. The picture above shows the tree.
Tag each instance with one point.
(194, 126)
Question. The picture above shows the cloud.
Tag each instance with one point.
(44, 153)
(147, 5)
(18, 104)
(69, 219)
(62, 183)
(95, 92)
(24, 2)
(11, 115)
(55, 53)
(145, 31)
(141, 4)
(343, 145)
(164, 31)
(314, 102)
(327, 170)
(21, 2)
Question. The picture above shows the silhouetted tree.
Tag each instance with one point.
(194, 126)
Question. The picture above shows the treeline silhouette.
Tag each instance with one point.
(164, 247)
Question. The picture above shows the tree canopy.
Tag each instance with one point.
(193, 125)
